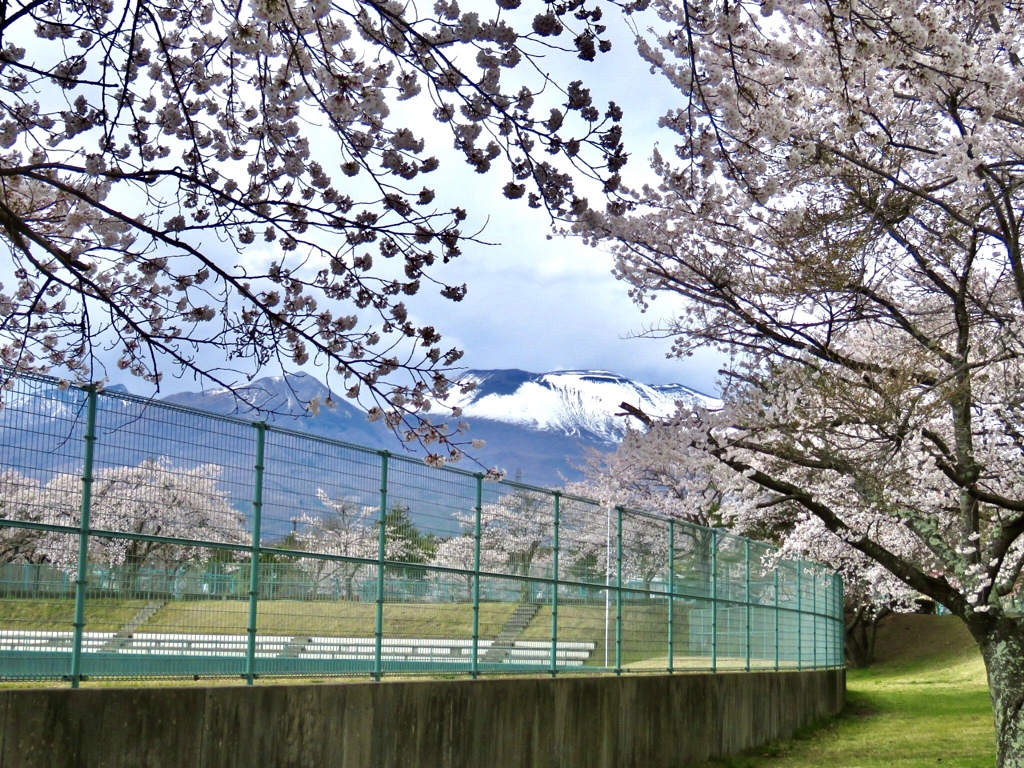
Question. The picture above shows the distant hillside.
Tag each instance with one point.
(280, 400)
(539, 425)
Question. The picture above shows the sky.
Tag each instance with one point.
(537, 302)
(542, 303)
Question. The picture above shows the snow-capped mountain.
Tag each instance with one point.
(539, 426)
(542, 425)
(574, 403)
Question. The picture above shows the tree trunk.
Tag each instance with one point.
(861, 631)
(1001, 641)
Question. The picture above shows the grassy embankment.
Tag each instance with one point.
(643, 637)
(59, 615)
(925, 703)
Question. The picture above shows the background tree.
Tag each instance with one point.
(407, 543)
(842, 216)
(653, 470)
(160, 194)
(460, 552)
(154, 498)
(658, 468)
(516, 536)
(348, 530)
(519, 527)
(19, 500)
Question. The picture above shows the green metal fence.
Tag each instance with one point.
(143, 539)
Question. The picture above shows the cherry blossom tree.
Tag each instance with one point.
(841, 215)
(459, 552)
(659, 469)
(348, 530)
(159, 499)
(871, 593)
(214, 188)
(654, 470)
(517, 536)
(518, 528)
(152, 499)
(19, 501)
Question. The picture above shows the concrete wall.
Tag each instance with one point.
(575, 722)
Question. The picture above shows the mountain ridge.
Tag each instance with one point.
(538, 425)
(575, 402)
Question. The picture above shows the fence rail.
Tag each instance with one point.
(144, 539)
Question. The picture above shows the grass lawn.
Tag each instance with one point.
(924, 704)
(330, 617)
(59, 615)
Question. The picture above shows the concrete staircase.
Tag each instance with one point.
(295, 647)
(517, 622)
(124, 634)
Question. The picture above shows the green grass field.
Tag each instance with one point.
(644, 626)
(347, 619)
(275, 617)
(59, 615)
(925, 703)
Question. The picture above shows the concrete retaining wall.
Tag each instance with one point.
(583, 722)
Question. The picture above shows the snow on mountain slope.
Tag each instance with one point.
(569, 402)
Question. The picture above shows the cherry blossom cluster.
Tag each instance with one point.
(154, 499)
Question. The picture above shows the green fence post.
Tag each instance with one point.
(776, 616)
(814, 616)
(828, 593)
(799, 617)
(554, 584)
(82, 578)
(671, 594)
(714, 600)
(378, 630)
(618, 592)
(839, 622)
(746, 565)
(254, 559)
(477, 512)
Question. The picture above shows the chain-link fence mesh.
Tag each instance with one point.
(141, 539)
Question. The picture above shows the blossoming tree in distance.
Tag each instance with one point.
(841, 214)
(215, 188)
